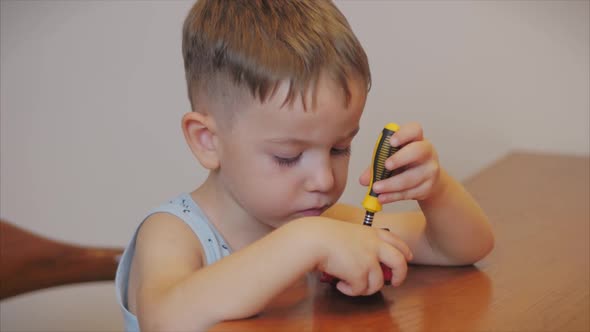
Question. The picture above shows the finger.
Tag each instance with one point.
(413, 153)
(395, 260)
(365, 178)
(394, 241)
(354, 286)
(375, 280)
(408, 179)
(418, 193)
(407, 133)
(344, 288)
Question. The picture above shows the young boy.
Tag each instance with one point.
(277, 90)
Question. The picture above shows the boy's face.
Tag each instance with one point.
(279, 162)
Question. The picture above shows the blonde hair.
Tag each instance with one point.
(257, 44)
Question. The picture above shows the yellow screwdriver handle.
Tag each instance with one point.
(382, 151)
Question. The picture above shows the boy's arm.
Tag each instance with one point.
(456, 229)
(451, 229)
(175, 292)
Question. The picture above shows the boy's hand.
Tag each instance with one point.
(353, 253)
(418, 162)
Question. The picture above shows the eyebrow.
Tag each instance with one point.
(301, 141)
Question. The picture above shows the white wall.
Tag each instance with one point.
(92, 93)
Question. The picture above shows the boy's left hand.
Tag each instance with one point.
(418, 160)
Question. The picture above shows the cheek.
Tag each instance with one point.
(256, 180)
(267, 197)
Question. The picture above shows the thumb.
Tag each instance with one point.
(365, 178)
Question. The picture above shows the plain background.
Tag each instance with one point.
(92, 93)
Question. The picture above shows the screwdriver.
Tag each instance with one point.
(381, 152)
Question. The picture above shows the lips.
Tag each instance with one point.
(313, 212)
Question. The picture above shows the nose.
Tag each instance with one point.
(320, 178)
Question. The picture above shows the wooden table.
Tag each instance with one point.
(536, 279)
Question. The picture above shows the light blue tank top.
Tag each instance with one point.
(188, 211)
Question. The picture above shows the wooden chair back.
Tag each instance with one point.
(30, 262)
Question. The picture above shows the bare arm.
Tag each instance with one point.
(451, 229)
(175, 292)
(456, 228)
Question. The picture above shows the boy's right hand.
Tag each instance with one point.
(353, 253)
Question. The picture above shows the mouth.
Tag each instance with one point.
(313, 212)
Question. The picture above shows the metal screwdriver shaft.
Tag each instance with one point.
(368, 218)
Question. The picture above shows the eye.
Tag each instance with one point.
(341, 152)
(283, 161)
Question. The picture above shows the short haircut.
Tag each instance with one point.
(257, 44)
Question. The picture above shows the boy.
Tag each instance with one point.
(277, 89)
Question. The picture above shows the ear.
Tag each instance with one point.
(200, 135)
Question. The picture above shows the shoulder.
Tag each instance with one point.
(166, 248)
(166, 251)
(163, 234)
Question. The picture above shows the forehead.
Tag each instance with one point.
(321, 115)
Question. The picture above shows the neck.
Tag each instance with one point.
(236, 226)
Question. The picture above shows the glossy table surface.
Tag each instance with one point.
(536, 279)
